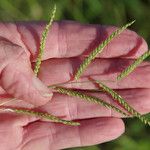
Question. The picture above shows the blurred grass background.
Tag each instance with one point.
(112, 12)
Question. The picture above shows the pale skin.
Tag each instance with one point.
(67, 44)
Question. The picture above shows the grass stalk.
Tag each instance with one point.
(133, 66)
(89, 98)
(122, 101)
(99, 49)
(43, 42)
(42, 115)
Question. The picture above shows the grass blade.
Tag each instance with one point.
(43, 42)
(133, 66)
(121, 101)
(99, 49)
(89, 98)
(41, 115)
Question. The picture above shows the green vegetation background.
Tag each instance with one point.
(110, 12)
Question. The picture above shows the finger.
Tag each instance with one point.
(55, 71)
(72, 108)
(47, 136)
(11, 128)
(70, 39)
(17, 77)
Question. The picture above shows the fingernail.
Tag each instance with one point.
(48, 95)
(43, 90)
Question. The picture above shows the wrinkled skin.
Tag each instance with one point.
(67, 45)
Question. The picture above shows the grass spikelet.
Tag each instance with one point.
(41, 115)
(99, 49)
(89, 98)
(121, 101)
(43, 42)
(133, 66)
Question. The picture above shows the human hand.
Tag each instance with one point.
(66, 46)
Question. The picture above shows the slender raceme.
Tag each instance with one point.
(121, 101)
(89, 98)
(43, 42)
(42, 115)
(99, 49)
(133, 66)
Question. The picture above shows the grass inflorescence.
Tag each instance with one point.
(41, 115)
(89, 98)
(43, 42)
(99, 49)
(133, 66)
(80, 70)
(122, 101)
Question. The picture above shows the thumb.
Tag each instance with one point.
(17, 77)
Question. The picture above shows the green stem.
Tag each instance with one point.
(43, 42)
(89, 98)
(133, 66)
(99, 49)
(41, 115)
(121, 101)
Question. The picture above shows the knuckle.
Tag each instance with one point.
(9, 49)
(10, 52)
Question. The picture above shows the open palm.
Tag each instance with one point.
(67, 45)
